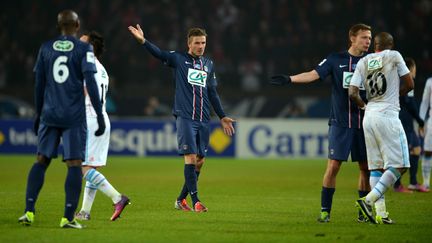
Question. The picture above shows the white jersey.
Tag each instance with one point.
(426, 100)
(379, 73)
(97, 147)
(102, 81)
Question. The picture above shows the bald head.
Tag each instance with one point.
(68, 22)
(383, 41)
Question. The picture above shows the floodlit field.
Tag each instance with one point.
(248, 200)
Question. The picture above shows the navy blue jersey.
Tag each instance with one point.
(195, 84)
(60, 69)
(341, 66)
(409, 112)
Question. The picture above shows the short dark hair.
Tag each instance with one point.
(353, 31)
(196, 32)
(97, 41)
(383, 41)
(410, 62)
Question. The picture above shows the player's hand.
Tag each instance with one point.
(227, 125)
(280, 79)
(101, 125)
(36, 123)
(421, 132)
(137, 33)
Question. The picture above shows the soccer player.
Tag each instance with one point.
(97, 147)
(386, 143)
(60, 69)
(195, 90)
(345, 123)
(409, 111)
(425, 105)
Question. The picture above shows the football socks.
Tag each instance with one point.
(35, 181)
(73, 191)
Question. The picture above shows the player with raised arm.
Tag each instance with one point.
(97, 147)
(345, 123)
(195, 91)
(381, 74)
(60, 69)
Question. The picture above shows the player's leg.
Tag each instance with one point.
(48, 140)
(74, 142)
(395, 156)
(203, 138)
(186, 140)
(414, 159)
(427, 158)
(339, 148)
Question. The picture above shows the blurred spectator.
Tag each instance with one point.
(155, 108)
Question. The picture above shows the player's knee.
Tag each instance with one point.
(199, 163)
(363, 166)
(190, 159)
(73, 163)
(416, 151)
(43, 160)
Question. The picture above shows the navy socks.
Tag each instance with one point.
(35, 181)
(191, 182)
(73, 190)
(327, 199)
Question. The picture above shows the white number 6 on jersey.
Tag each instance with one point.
(60, 70)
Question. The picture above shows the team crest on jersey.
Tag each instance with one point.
(63, 45)
(197, 66)
(374, 63)
(197, 77)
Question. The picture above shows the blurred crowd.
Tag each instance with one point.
(248, 40)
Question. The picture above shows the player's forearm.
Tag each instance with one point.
(216, 102)
(305, 77)
(154, 50)
(93, 92)
(354, 95)
(407, 84)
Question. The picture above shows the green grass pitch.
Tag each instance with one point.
(248, 200)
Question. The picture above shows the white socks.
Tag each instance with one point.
(88, 197)
(426, 170)
(98, 180)
(388, 178)
(380, 206)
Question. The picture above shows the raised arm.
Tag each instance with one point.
(165, 56)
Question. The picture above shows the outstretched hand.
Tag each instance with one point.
(227, 125)
(137, 33)
(280, 79)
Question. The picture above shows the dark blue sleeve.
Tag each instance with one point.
(88, 60)
(40, 81)
(214, 99)
(324, 68)
(168, 58)
(411, 106)
(93, 91)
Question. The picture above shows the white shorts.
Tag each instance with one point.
(428, 136)
(97, 147)
(386, 142)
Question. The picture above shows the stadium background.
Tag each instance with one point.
(248, 40)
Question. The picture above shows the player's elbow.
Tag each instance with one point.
(353, 92)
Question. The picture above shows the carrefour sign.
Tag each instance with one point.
(282, 138)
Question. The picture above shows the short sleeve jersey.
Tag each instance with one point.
(379, 73)
(341, 66)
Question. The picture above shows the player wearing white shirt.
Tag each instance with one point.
(426, 104)
(97, 147)
(386, 142)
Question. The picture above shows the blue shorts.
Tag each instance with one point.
(343, 141)
(192, 136)
(74, 141)
(413, 140)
